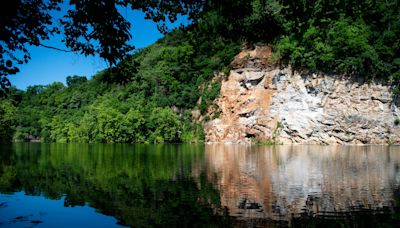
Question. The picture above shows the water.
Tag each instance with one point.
(96, 185)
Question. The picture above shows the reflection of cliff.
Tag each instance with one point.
(276, 182)
(243, 178)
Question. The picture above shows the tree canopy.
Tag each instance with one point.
(346, 36)
(90, 27)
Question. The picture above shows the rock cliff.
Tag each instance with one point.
(260, 101)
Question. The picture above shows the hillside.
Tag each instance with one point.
(149, 96)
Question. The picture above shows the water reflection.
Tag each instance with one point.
(140, 185)
(286, 182)
(208, 186)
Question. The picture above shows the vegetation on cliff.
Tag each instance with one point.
(147, 97)
(345, 36)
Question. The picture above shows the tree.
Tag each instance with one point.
(7, 119)
(90, 27)
(164, 126)
(75, 80)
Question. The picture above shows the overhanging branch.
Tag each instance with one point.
(54, 48)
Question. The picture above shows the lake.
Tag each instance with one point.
(98, 185)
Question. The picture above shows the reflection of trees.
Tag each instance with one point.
(275, 182)
(145, 185)
(139, 185)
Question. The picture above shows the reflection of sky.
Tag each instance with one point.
(48, 65)
(20, 210)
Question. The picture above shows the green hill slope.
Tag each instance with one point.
(147, 98)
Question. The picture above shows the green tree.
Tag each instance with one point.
(75, 80)
(163, 126)
(90, 27)
(7, 120)
(59, 129)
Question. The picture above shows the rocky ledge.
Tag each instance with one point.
(263, 102)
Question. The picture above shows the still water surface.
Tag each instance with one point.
(96, 185)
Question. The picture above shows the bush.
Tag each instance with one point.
(163, 125)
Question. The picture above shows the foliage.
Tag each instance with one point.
(164, 126)
(172, 70)
(346, 36)
(357, 38)
(22, 23)
(7, 120)
(75, 80)
(89, 27)
(89, 112)
(209, 95)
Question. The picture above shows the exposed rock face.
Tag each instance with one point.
(265, 102)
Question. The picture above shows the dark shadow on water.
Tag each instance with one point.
(23, 221)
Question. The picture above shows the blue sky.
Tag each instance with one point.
(48, 65)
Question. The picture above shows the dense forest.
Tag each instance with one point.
(148, 96)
